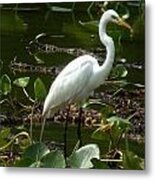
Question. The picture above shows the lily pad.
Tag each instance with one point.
(36, 151)
(54, 159)
(21, 82)
(82, 157)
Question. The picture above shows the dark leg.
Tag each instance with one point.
(65, 139)
(79, 126)
(65, 132)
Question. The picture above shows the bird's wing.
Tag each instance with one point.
(69, 84)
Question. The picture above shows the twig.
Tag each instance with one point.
(132, 115)
(111, 160)
(27, 95)
(13, 138)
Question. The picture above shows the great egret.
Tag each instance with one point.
(82, 75)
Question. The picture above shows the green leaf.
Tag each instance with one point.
(82, 157)
(39, 90)
(76, 147)
(5, 84)
(21, 82)
(120, 122)
(98, 164)
(4, 134)
(35, 164)
(105, 109)
(54, 159)
(100, 135)
(24, 162)
(119, 71)
(35, 152)
(132, 161)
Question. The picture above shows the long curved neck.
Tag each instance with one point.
(107, 41)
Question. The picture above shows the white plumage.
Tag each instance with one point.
(81, 76)
(73, 84)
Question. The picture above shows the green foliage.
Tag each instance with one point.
(111, 128)
(35, 152)
(54, 159)
(39, 90)
(13, 144)
(88, 156)
(132, 161)
(119, 122)
(98, 164)
(22, 82)
(105, 109)
(38, 155)
(81, 158)
(102, 132)
(5, 84)
(4, 134)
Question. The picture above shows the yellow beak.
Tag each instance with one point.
(121, 22)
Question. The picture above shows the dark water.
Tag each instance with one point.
(19, 27)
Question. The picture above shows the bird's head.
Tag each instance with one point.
(112, 16)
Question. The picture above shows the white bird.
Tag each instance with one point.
(81, 76)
